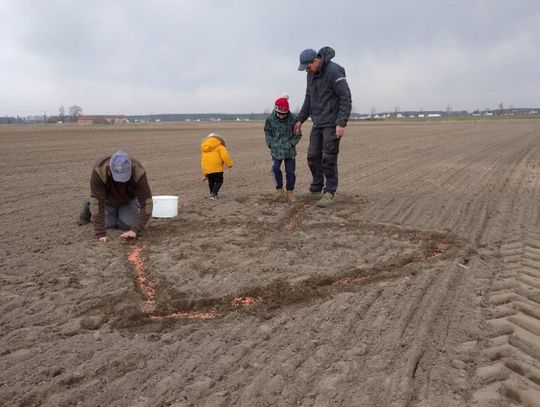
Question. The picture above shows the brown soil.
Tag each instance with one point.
(419, 287)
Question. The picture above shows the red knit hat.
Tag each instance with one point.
(282, 105)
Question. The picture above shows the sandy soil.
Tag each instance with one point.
(420, 287)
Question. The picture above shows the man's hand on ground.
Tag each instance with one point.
(130, 234)
(103, 239)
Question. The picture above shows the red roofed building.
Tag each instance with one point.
(105, 119)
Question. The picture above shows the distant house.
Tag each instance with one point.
(434, 115)
(103, 119)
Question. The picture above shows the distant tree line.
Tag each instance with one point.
(73, 115)
(74, 112)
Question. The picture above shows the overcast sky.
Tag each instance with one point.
(238, 56)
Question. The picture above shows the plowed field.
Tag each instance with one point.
(420, 286)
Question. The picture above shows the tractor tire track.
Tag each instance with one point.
(511, 373)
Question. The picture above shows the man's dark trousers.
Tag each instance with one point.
(322, 158)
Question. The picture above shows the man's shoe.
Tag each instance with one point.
(280, 194)
(290, 197)
(213, 197)
(326, 200)
(315, 193)
(84, 214)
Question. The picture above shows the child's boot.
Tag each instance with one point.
(280, 194)
(290, 196)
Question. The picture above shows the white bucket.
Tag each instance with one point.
(165, 206)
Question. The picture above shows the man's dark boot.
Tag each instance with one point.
(84, 214)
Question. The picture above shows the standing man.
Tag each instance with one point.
(120, 197)
(328, 102)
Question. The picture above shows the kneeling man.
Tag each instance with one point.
(120, 197)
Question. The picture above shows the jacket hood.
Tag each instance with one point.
(210, 142)
(327, 53)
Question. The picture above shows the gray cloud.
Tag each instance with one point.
(238, 56)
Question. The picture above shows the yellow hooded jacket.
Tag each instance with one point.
(214, 154)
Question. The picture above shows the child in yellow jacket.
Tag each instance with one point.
(214, 156)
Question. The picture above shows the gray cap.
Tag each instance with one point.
(120, 166)
(306, 57)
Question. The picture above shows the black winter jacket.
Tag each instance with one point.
(328, 97)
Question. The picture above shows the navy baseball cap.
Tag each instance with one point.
(120, 166)
(306, 57)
